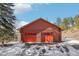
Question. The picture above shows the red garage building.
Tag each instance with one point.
(40, 31)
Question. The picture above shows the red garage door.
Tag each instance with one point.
(47, 38)
(30, 37)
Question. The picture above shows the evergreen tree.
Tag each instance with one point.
(71, 20)
(7, 21)
(66, 23)
(59, 21)
(76, 20)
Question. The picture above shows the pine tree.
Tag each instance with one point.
(66, 23)
(59, 21)
(76, 20)
(7, 21)
(71, 21)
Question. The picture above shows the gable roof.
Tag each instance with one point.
(39, 24)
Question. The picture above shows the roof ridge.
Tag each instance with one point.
(38, 20)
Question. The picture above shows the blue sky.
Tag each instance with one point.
(50, 12)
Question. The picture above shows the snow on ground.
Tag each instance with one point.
(67, 48)
(70, 41)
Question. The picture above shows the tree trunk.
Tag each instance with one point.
(3, 43)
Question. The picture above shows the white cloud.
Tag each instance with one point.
(22, 7)
(20, 23)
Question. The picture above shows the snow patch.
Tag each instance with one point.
(60, 49)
